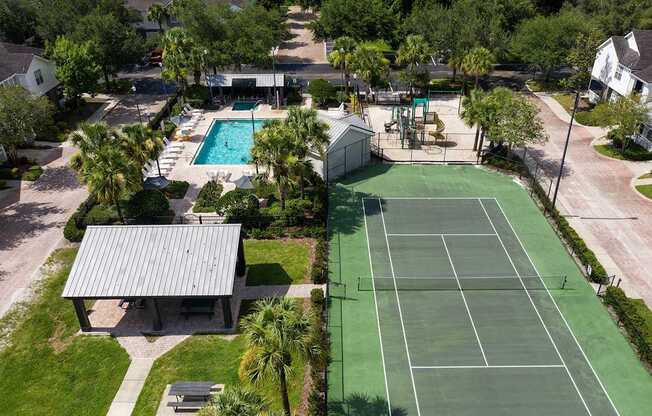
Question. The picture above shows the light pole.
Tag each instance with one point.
(165, 88)
(274, 52)
(563, 157)
(140, 118)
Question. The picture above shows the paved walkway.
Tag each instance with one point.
(597, 196)
(32, 218)
(289, 291)
(127, 395)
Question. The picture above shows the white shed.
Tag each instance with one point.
(349, 146)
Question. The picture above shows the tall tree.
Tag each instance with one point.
(276, 332)
(17, 20)
(177, 47)
(141, 143)
(489, 110)
(369, 64)
(478, 62)
(472, 112)
(624, 116)
(361, 20)
(518, 124)
(414, 51)
(76, 67)
(114, 43)
(545, 41)
(342, 56)
(157, 13)
(274, 147)
(581, 57)
(22, 118)
(311, 135)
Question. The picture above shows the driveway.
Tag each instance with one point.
(32, 220)
(301, 48)
(597, 197)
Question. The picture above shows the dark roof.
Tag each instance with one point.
(15, 59)
(640, 63)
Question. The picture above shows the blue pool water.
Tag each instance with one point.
(244, 105)
(228, 142)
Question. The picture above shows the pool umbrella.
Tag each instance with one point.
(156, 182)
(243, 182)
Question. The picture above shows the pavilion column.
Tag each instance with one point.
(241, 264)
(226, 311)
(156, 316)
(82, 314)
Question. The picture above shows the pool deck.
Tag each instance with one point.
(197, 175)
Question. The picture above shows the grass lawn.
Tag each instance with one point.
(277, 262)
(45, 369)
(584, 114)
(646, 176)
(645, 190)
(208, 357)
(609, 151)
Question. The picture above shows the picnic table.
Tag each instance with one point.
(191, 394)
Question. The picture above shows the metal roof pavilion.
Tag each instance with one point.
(155, 261)
(260, 80)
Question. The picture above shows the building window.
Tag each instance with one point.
(38, 76)
(619, 72)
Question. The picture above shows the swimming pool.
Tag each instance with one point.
(244, 105)
(228, 142)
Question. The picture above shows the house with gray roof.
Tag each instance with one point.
(623, 66)
(27, 67)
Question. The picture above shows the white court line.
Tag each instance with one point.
(400, 312)
(558, 310)
(466, 305)
(380, 337)
(431, 197)
(545, 327)
(486, 366)
(438, 234)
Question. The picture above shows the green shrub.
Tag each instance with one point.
(317, 299)
(320, 267)
(176, 189)
(208, 198)
(9, 173)
(32, 173)
(322, 91)
(101, 214)
(72, 232)
(150, 203)
(238, 203)
(638, 325)
(3, 185)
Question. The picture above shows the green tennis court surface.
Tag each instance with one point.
(462, 320)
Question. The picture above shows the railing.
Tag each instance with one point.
(642, 141)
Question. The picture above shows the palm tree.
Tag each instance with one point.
(413, 52)
(341, 57)
(140, 143)
(478, 62)
(109, 175)
(370, 64)
(311, 134)
(157, 13)
(177, 46)
(471, 111)
(274, 147)
(235, 401)
(276, 332)
(89, 139)
(455, 63)
(489, 109)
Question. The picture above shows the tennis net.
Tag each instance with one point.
(463, 283)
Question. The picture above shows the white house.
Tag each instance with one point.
(26, 66)
(623, 66)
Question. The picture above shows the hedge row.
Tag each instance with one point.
(638, 329)
(575, 242)
(317, 397)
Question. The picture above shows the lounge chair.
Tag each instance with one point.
(189, 109)
(172, 145)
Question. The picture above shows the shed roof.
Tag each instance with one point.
(15, 59)
(339, 123)
(155, 261)
(262, 80)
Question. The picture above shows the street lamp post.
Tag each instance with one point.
(274, 52)
(140, 118)
(346, 86)
(563, 157)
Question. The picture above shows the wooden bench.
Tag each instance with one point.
(188, 404)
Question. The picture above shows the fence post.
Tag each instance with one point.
(200, 220)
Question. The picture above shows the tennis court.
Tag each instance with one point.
(466, 324)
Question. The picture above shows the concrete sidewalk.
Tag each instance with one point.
(127, 395)
(597, 197)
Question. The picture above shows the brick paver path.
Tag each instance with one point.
(597, 197)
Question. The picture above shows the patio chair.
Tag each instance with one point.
(189, 109)
(172, 145)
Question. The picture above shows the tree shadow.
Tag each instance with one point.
(267, 274)
(360, 404)
(550, 167)
(25, 220)
(60, 178)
